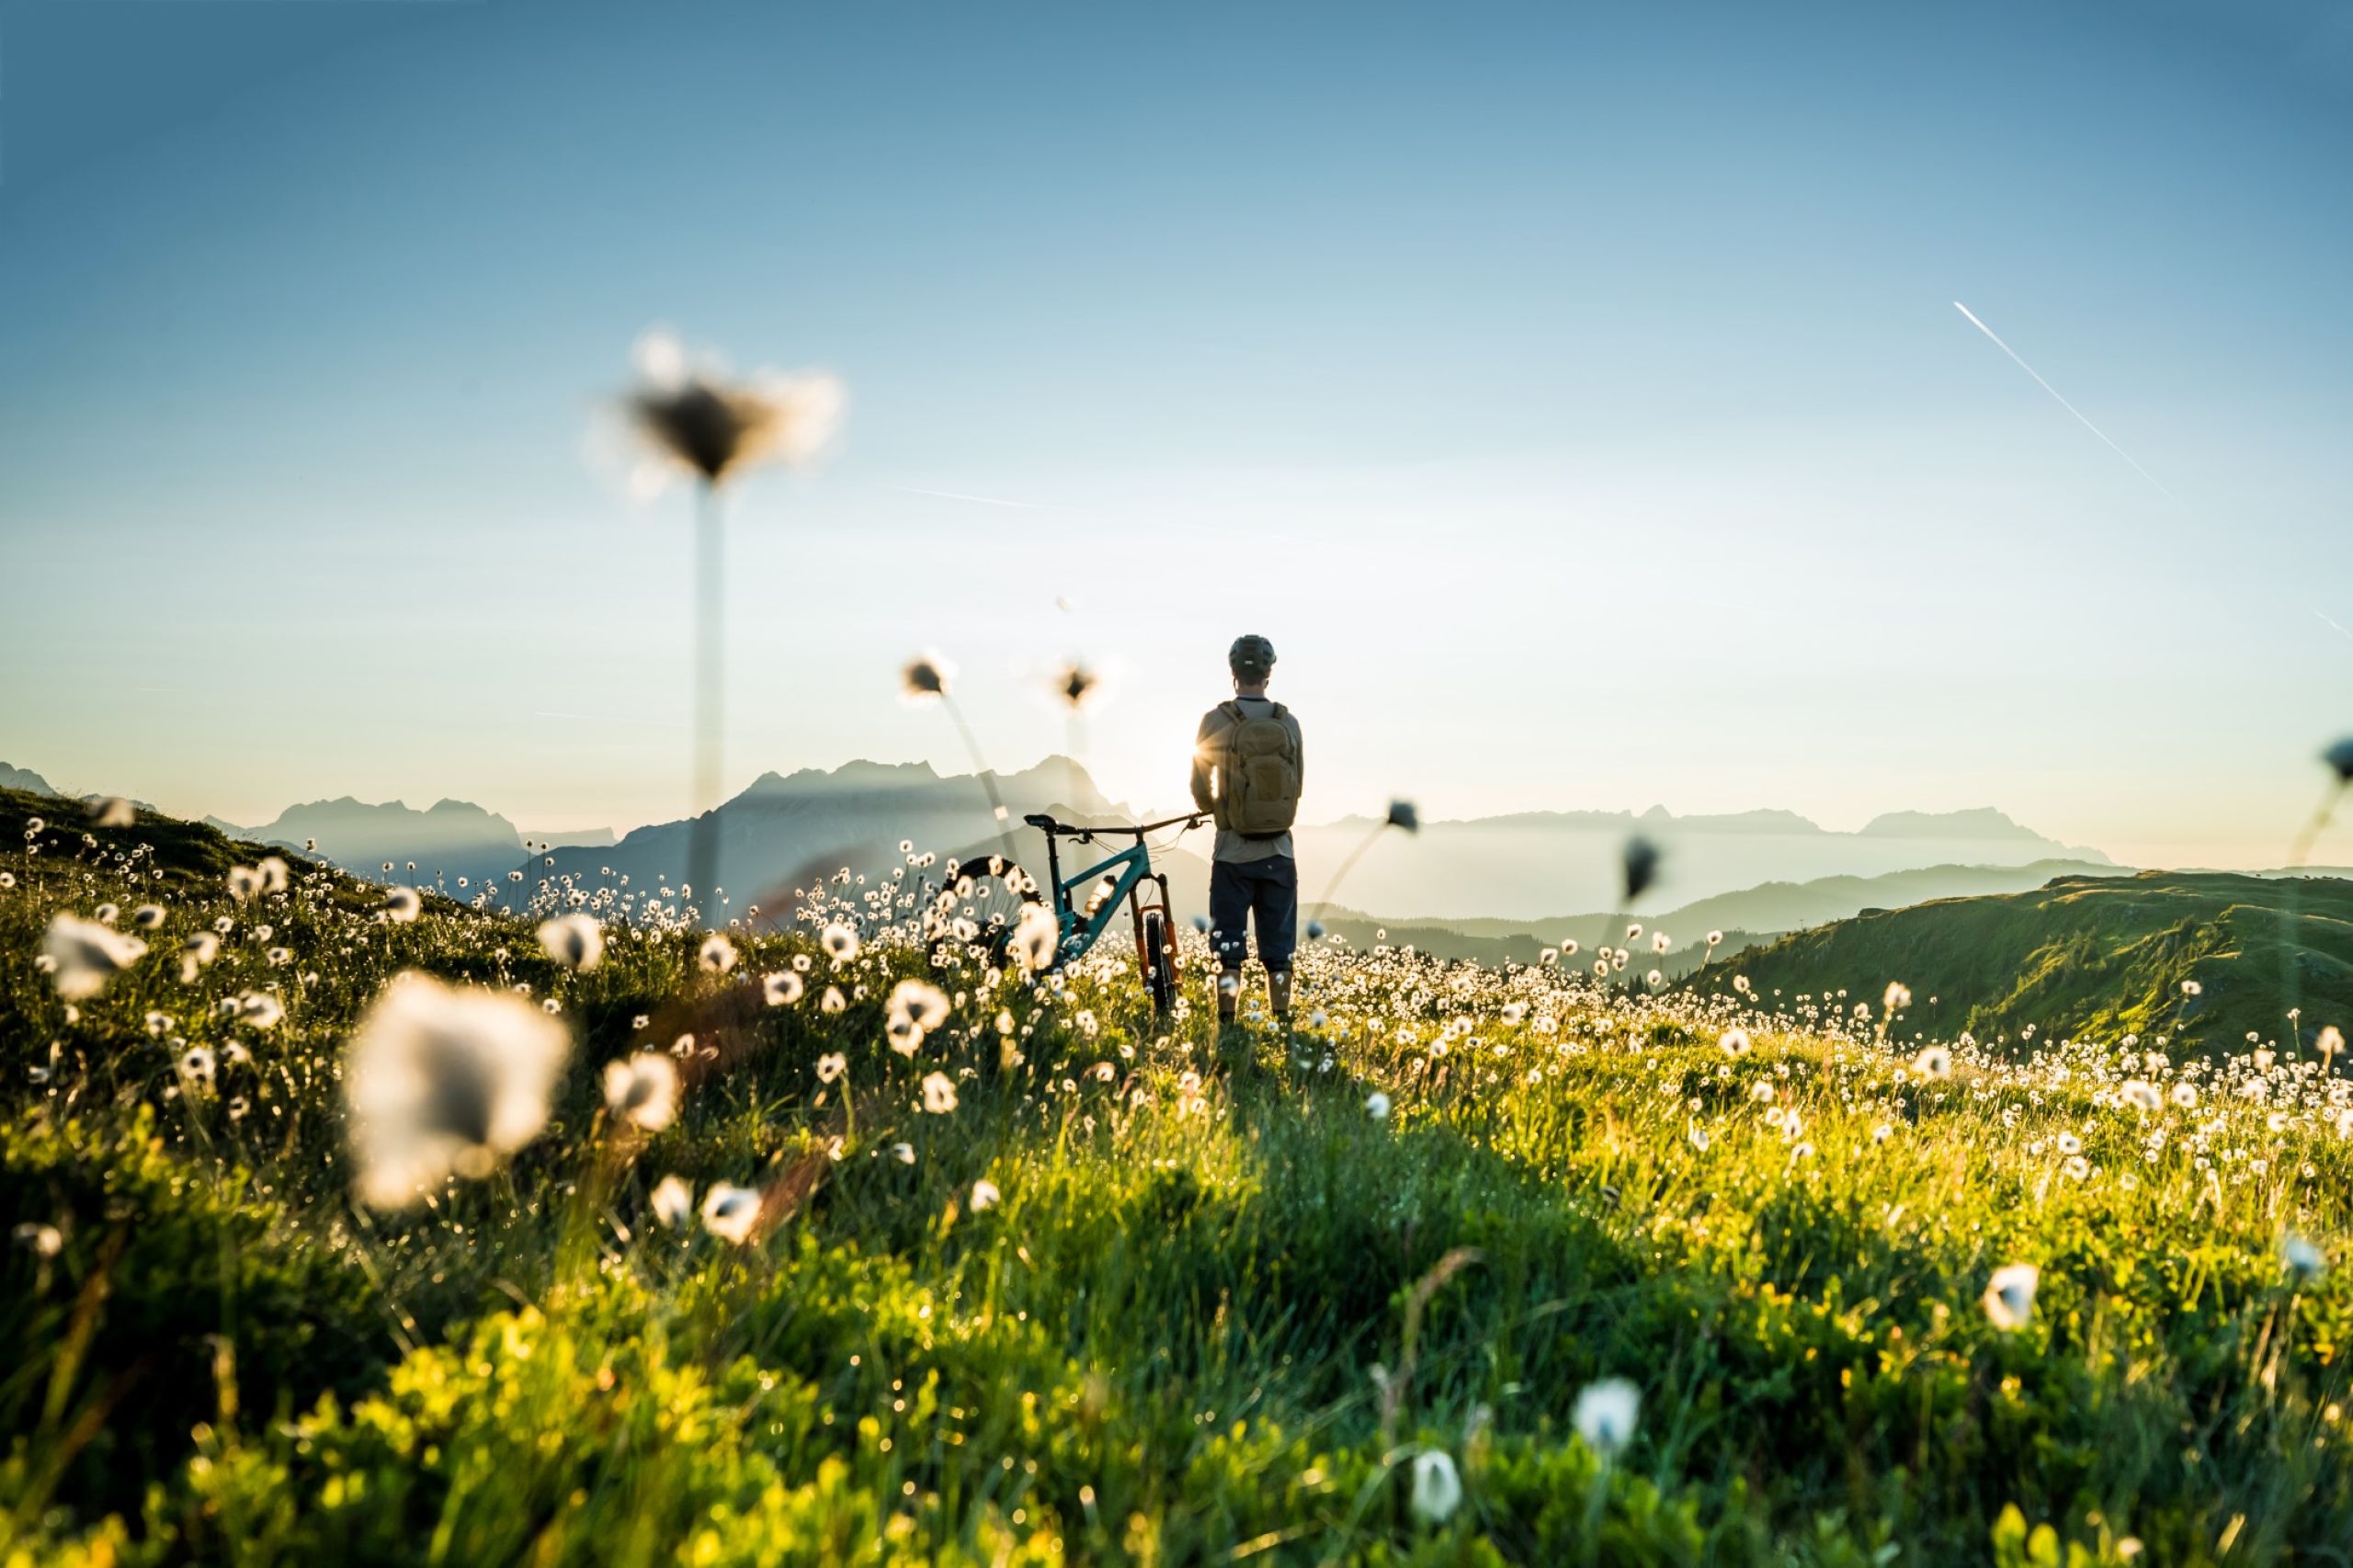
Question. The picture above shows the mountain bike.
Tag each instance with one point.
(987, 895)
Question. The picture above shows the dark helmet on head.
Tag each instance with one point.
(1252, 657)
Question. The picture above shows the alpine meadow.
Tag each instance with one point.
(1019, 785)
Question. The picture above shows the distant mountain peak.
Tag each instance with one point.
(1978, 822)
(24, 778)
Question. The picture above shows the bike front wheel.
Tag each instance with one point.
(1159, 964)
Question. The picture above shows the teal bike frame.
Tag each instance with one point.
(1123, 878)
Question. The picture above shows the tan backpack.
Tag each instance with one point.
(1258, 774)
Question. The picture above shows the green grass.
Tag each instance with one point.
(2101, 956)
(1216, 1314)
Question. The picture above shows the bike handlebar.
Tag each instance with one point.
(1045, 824)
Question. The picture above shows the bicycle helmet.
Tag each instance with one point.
(1252, 657)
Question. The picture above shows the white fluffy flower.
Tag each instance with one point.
(85, 955)
(717, 954)
(443, 1079)
(984, 1195)
(730, 1212)
(643, 1090)
(403, 906)
(1036, 938)
(673, 1202)
(575, 940)
(938, 1094)
(2009, 1295)
(1605, 1414)
(1376, 1106)
(1438, 1489)
(783, 988)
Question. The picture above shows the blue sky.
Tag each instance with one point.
(1575, 395)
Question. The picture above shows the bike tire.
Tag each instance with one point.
(977, 907)
(1159, 968)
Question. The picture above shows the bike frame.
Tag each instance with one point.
(1131, 874)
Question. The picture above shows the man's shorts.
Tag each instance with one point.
(1264, 892)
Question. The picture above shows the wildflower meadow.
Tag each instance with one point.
(352, 1223)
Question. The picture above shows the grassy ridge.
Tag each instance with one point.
(1219, 1311)
(2102, 957)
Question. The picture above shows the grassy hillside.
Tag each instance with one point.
(1051, 1285)
(2098, 957)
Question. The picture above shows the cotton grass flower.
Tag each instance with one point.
(695, 418)
(1605, 1416)
(938, 1094)
(782, 989)
(2009, 1295)
(2303, 1259)
(673, 1202)
(1933, 1062)
(984, 1195)
(1438, 1487)
(114, 811)
(575, 940)
(1639, 863)
(1736, 1042)
(1036, 938)
(1403, 814)
(717, 954)
(839, 941)
(403, 906)
(1376, 1106)
(84, 955)
(443, 1080)
(731, 1212)
(643, 1090)
(832, 1065)
(916, 1009)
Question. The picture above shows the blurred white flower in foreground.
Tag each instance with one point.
(718, 954)
(783, 988)
(1036, 938)
(86, 955)
(2009, 1295)
(1437, 1490)
(1605, 1414)
(696, 419)
(1376, 1106)
(643, 1090)
(404, 904)
(916, 1009)
(673, 1202)
(984, 1195)
(442, 1080)
(730, 1212)
(938, 1094)
(575, 941)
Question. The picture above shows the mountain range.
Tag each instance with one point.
(1501, 879)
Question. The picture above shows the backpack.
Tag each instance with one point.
(1258, 774)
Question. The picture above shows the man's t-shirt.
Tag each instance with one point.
(1232, 848)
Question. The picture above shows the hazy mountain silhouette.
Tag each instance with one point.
(449, 840)
(783, 830)
(1747, 918)
(24, 778)
(1528, 866)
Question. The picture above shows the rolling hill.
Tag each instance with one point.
(2098, 957)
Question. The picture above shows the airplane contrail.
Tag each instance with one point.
(2332, 622)
(2070, 407)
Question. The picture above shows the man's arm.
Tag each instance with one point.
(1203, 799)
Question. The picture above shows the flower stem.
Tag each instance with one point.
(703, 854)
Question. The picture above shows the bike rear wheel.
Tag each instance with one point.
(1159, 968)
(973, 914)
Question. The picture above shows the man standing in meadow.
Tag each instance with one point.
(1248, 770)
